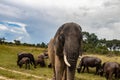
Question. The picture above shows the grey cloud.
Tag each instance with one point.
(10, 11)
(111, 3)
(44, 21)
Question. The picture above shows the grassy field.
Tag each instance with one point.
(8, 58)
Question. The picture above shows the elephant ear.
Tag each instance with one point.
(61, 39)
(59, 45)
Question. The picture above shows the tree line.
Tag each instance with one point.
(90, 43)
(18, 42)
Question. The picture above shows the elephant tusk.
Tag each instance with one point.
(66, 62)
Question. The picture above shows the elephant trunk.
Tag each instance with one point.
(66, 61)
(70, 59)
(70, 73)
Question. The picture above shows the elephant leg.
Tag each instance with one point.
(70, 73)
(59, 67)
(64, 75)
(54, 75)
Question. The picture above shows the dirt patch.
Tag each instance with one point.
(5, 78)
(18, 72)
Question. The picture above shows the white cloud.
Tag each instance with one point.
(19, 38)
(116, 27)
(20, 30)
(95, 16)
(58, 3)
(15, 30)
(103, 32)
(10, 11)
(111, 31)
(2, 27)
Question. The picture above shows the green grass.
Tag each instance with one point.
(12, 75)
(8, 58)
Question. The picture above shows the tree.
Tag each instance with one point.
(17, 42)
(90, 41)
(43, 45)
(2, 40)
(38, 45)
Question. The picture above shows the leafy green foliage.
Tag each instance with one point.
(93, 45)
(18, 42)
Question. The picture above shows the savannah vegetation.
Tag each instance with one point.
(106, 50)
(91, 44)
(8, 58)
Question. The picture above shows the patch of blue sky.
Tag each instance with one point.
(13, 25)
(10, 24)
(2, 23)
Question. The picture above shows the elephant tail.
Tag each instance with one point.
(66, 61)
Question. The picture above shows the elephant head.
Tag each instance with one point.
(67, 48)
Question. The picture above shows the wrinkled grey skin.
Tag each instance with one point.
(66, 42)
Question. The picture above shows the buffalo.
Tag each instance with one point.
(49, 65)
(110, 69)
(41, 60)
(88, 61)
(26, 61)
(45, 55)
(29, 55)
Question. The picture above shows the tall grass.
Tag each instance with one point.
(8, 58)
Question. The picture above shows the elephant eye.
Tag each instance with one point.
(61, 37)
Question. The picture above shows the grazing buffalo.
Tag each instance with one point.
(26, 61)
(110, 68)
(88, 61)
(29, 55)
(41, 60)
(45, 55)
(49, 65)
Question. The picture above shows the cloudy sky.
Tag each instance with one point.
(36, 21)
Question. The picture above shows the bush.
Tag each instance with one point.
(102, 49)
(116, 52)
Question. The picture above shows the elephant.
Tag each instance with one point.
(64, 50)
